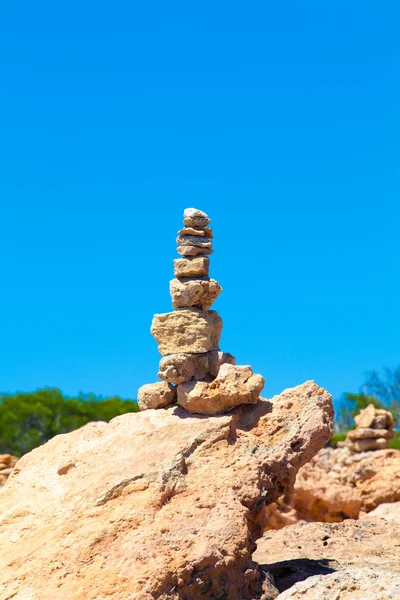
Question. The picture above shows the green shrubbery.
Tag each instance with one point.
(29, 420)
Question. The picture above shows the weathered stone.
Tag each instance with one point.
(191, 267)
(181, 367)
(353, 560)
(156, 395)
(195, 218)
(234, 385)
(371, 444)
(187, 330)
(193, 240)
(200, 293)
(366, 416)
(193, 250)
(206, 231)
(368, 433)
(216, 359)
(156, 504)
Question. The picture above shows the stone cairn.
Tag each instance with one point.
(194, 372)
(374, 429)
(7, 464)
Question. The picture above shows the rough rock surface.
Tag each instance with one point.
(7, 464)
(191, 267)
(181, 367)
(194, 240)
(155, 505)
(200, 293)
(206, 231)
(234, 385)
(353, 560)
(337, 484)
(193, 217)
(193, 250)
(190, 330)
(156, 395)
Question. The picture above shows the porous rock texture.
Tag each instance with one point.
(7, 464)
(197, 266)
(338, 484)
(189, 330)
(156, 395)
(200, 293)
(353, 560)
(157, 505)
(234, 385)
(182, 367)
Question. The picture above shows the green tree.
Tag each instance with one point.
(28, 420)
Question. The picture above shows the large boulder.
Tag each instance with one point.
(338, 484)
(353, 560)
(156, 505)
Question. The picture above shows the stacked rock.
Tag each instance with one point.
(194, 371)
(375, 427)
(7, 464)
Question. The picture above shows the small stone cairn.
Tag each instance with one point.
(374, 429)
(194, 372)
(7, 464)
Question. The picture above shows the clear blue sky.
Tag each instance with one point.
(279, 119)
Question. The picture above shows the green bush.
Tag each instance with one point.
(337, 437)
(29, 420)
(395, 442)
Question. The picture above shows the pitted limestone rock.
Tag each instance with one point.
(193, 251)
(156, 395)
(183, 367)
(191, 267)
(189, 330)
(200, 293)
(193, 217)
(234, 385)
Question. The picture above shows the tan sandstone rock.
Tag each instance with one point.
(206, 231)
(157, 504)
(193, 240)
(156, 395)
(353, 560)
(182, 367)
(338, 484)
(363, 444)
(367, 433)
(192, 217)
(193, 250)
(191, 267)
(196, 292)
(189, 330)
(234, 385)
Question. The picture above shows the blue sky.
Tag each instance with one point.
(281, 120)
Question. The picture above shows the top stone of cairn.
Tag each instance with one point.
(192, 217)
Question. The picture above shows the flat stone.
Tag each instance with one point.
(156, 395)
(193, 250)
(191, 267)
(200, 293)
(234, 385)
(195, 218)
(368, 433)
(206, 231)
(187, 330)
(370, 444)
(193, 240)
(182, 367)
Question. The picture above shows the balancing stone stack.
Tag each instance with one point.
(194, 372)
(374, 429)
